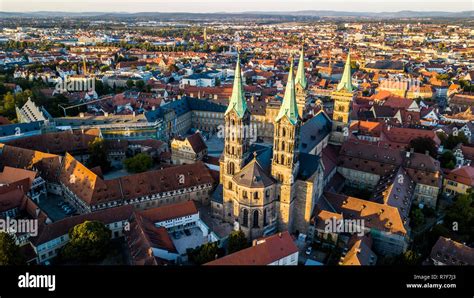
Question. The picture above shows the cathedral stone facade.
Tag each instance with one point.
(269, 188)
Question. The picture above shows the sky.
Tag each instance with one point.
(202, 6)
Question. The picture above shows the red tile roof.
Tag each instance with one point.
(464, 175)
(170, 211)
(267, 251)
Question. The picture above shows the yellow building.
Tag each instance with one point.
(459, 181)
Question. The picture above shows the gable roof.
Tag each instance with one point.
(464, 175)
(376, 216)
(265, 252)
(170, 211)
(253, 176)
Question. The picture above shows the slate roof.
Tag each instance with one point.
(253, 176)
(11, 129)
(184, 105)
(314, 131)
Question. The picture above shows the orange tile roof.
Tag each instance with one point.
(47, 164)
(360, 253)
(378, 216)
(269, 250)
(170, 211)
(464, 175)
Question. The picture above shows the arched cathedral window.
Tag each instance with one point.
(255, 219)
(231, 167)
(245, 218)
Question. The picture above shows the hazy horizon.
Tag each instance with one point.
(215, 6)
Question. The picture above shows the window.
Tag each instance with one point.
(255, 219)
(231, 168)
(245, 219)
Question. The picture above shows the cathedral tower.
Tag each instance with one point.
(285, 151)
(236, 142)
(342, 105)
(301, 85)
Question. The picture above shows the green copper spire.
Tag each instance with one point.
(237, 100)
(288, 106)
(346, 81)
(300, 75)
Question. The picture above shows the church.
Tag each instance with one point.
(268, 188)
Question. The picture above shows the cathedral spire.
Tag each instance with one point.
(346, 81)
(300, 75)
(237, 100)
(289, 107)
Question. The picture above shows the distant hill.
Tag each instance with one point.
(398, 14)
(252, 14)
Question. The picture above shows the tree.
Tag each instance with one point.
(138, 163)
(104, 68)
(453, 140)
(89, 241)
(98, 154)
(204, 253)
(236, 241)
(9, 252)
(423, 144)
(409, 257)
(417, 217)
(461, 215)
(130, 83)
(447, 160)
(140, 84)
